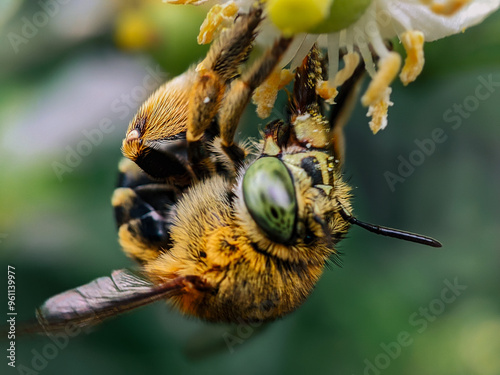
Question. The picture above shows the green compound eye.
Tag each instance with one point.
(269, 195)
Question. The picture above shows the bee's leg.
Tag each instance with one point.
(142, 211)
(214, 73)
(341, 111)
(239, 94)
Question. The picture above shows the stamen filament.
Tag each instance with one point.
(333, 57)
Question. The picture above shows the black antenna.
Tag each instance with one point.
(395, 233)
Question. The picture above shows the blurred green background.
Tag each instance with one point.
(86, 66)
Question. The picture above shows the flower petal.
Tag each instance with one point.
(415, 15)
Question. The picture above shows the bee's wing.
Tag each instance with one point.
(102, 298)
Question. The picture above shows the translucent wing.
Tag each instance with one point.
(105, 297)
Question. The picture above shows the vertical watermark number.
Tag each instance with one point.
(11, 315)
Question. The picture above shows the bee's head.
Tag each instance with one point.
(285, 214)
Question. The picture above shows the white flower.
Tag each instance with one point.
(361, 28)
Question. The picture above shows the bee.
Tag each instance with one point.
(223, 232)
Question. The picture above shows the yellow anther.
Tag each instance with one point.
(351, 61)
(265, 95)
(218, 17)
(326, 91)
(388, 68)
(378, 112)
(286, 77)
(413, 42)
(446, 8)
